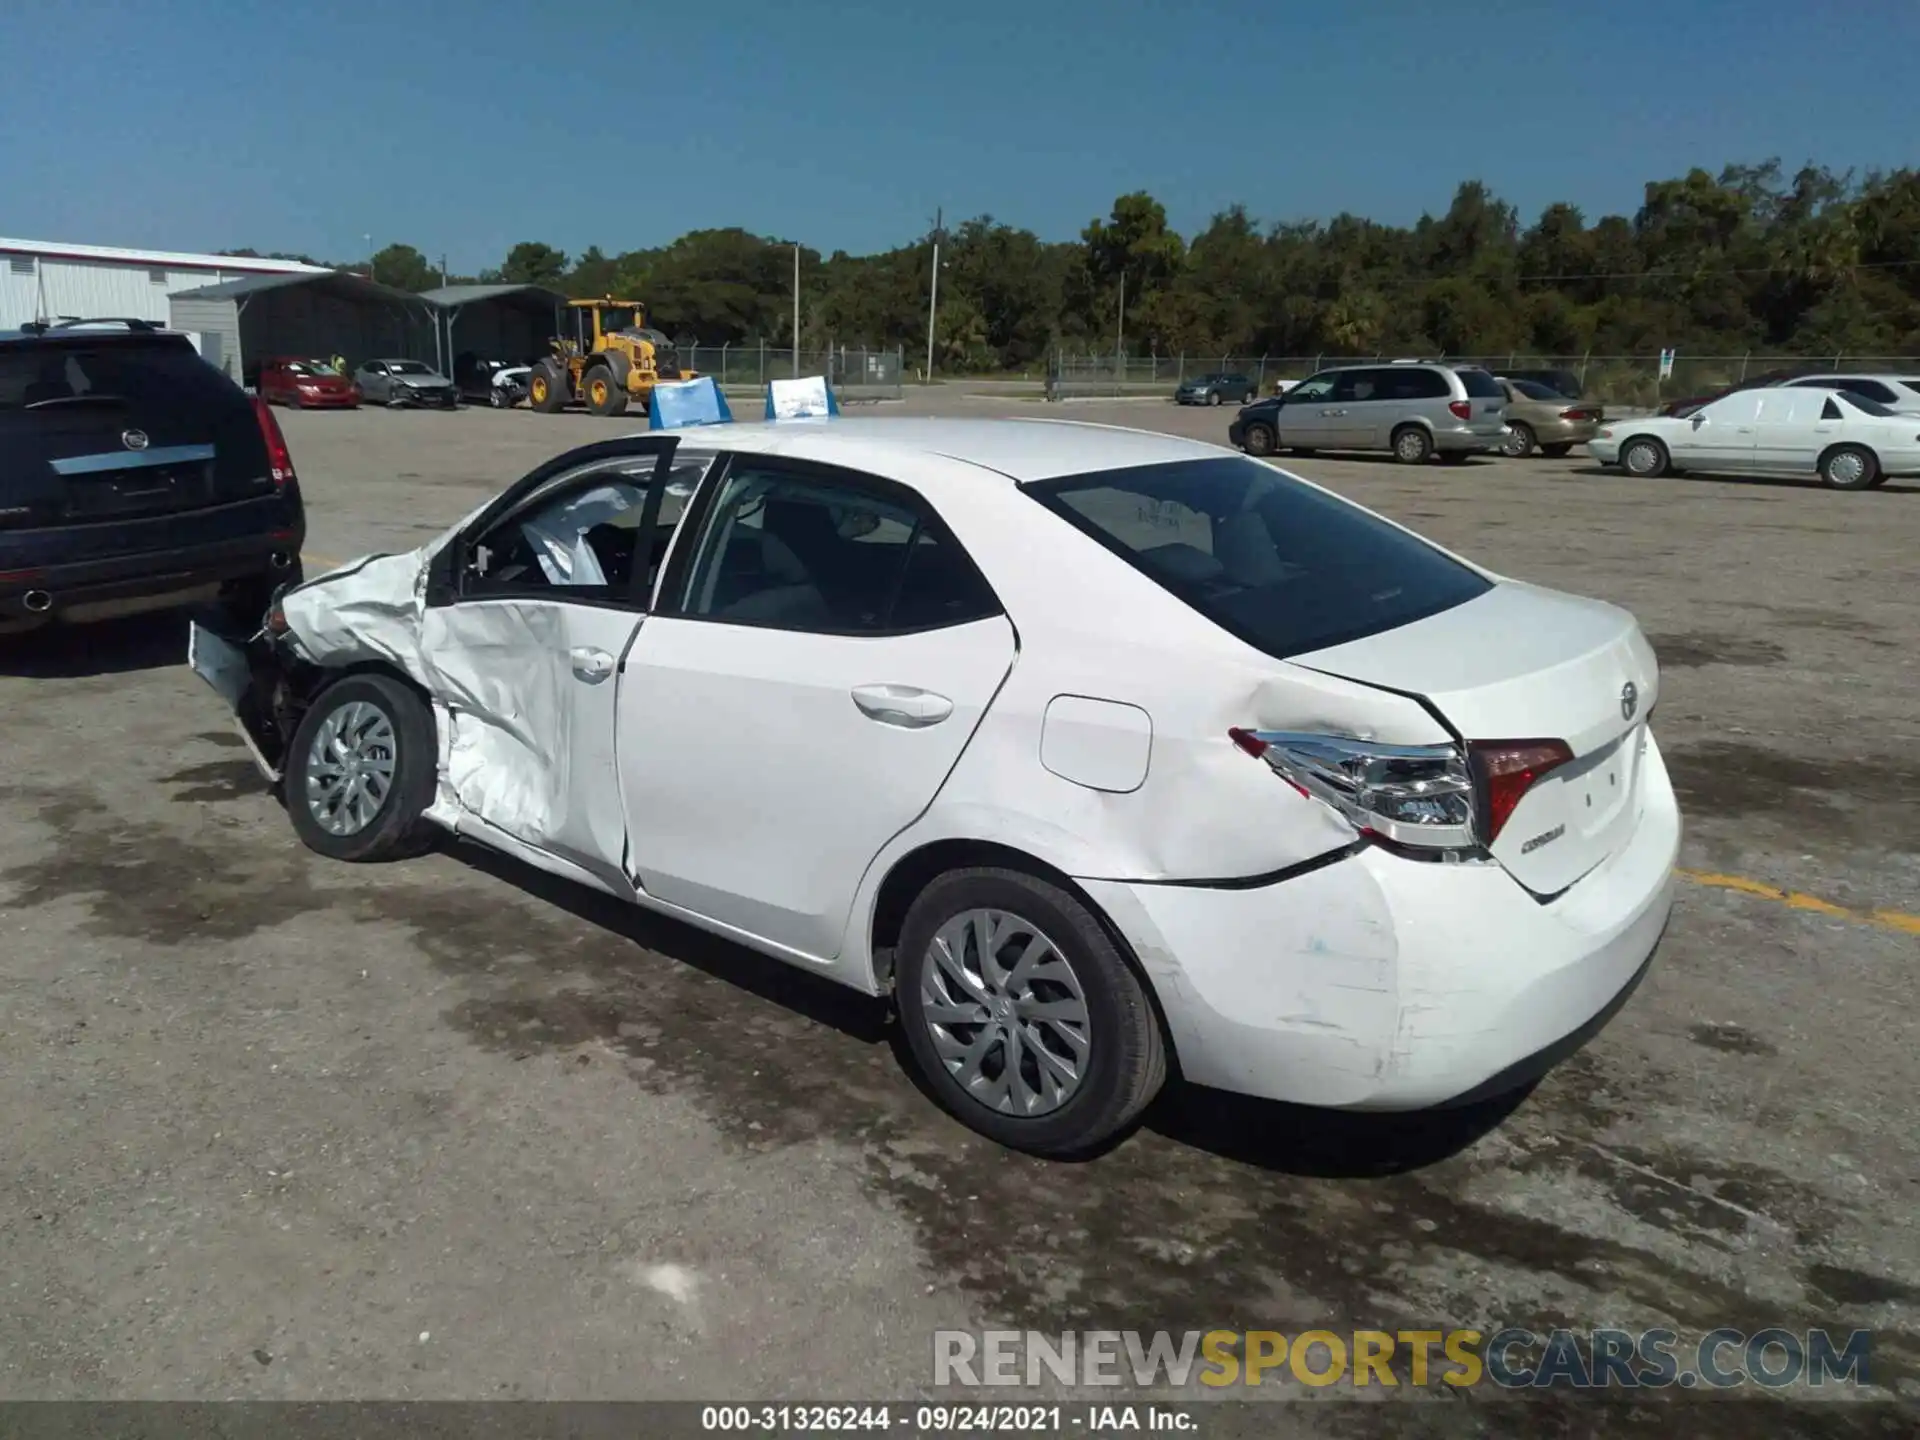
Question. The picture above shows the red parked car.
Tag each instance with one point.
(307, 383)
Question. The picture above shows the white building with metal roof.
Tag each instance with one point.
(52, 280)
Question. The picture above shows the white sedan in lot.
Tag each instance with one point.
(1098, 750)
(1849, 441)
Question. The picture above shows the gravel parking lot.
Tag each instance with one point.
(278, 1128)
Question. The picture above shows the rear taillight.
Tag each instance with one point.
(279, 458)
(1462, 409)
(1504, 770)
(1418, 796)
(1578, 414)
(1429, 800)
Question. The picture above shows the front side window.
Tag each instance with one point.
(798, 552)
(581, 537)
(1286, 567)
(1318, 387)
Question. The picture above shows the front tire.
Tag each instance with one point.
(1022, 1014)
(1260, 439)
(547, 388)
(1849, 467)
(1645, 458)
(361, 771)
(1412, 445)
(1213, 397)
(603, 392)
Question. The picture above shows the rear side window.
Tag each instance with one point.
(793, 551)
(1413, 382)
(139, 373)
(1287, 568)
(1480, 385)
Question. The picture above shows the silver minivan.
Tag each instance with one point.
(1415, 409)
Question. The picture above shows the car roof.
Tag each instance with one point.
(1018, 449)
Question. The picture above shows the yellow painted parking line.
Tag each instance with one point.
(1811, 904)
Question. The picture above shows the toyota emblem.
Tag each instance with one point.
(134, 439)
(1629, 700)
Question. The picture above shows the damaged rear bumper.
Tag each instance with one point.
(1379, 983)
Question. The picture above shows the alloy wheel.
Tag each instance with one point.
(1007, 1014)
(350, 768)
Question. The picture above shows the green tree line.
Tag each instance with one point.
(1751, 260)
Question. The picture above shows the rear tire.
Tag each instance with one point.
(1412, 445)
(1849, 467)
(1645, 458)
(1260, 439)
(360, 772)
(1012, 1058)
(1520, 441)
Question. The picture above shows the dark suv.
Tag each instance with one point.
(134, 476)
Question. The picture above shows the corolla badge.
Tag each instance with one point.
(134, 439)
(1629, 700)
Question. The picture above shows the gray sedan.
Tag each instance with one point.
(404, 382)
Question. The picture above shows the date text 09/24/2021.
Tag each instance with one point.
(949, 1419)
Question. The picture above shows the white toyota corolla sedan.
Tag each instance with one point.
(1099, 750)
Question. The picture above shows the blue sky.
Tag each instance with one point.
(460, 126)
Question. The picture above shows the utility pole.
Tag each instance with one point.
(443, 269)
(933, 297)
(1120, 334)
(796, 312)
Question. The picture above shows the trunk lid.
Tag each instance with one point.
(99, 428)
(1525, 663)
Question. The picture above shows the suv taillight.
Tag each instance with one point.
(1462, 409)
(1434, 801)
(279, 458)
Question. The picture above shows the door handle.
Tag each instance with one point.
(902, 705)
(591, 665)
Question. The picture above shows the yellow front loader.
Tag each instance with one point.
(610, 361)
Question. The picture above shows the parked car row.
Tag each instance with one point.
(308, 383)
(1853, 432)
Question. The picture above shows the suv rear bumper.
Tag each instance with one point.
(97, 589)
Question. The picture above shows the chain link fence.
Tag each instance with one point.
(1624, 381)
(855, 372)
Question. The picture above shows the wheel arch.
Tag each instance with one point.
(1820, 461)
(912, 872)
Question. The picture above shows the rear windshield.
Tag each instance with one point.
(1480, 385)
(1286, 567)
(1534, 390)
(57, 373)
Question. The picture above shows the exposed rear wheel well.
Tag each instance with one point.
(913, 872)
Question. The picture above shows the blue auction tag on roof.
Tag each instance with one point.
(803, 398)
(679, 403)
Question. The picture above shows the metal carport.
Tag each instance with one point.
(497, 322)
(336, 313)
